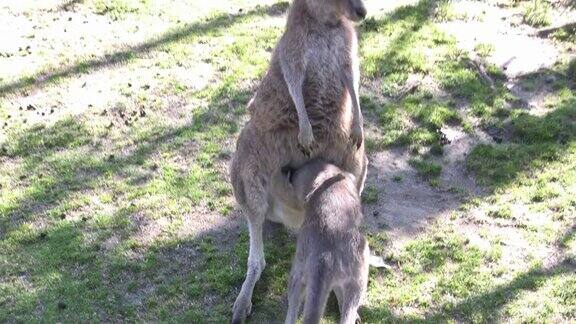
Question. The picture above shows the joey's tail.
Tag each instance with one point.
(317, 291)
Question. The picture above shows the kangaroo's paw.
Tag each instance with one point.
(306, 139)
(357, 136)
(240, 311)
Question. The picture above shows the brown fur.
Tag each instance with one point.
(314, 68)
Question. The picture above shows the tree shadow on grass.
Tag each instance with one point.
(412, 18)
(202, 28)
(73, 273)
(96, 267)
(532, 143)
(485, 306)
(68, 157)
(391, 93)
(535, 142)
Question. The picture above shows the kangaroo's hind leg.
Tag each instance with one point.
(255, 209)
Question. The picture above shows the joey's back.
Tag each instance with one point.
(323, 51)
(331, 228)
(334, 207)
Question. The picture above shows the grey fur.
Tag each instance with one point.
(331, 253)
(305, 107)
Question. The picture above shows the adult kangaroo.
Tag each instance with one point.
(306, 107)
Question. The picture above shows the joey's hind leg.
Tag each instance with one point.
(349, 299)
(295, 294)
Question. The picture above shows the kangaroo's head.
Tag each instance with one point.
(353, 9)
(331, 10)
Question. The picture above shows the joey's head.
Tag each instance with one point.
(287, 185)
(333, 10)
(294, 186)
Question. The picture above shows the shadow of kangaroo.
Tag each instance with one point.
(331, 252)
(305, 107)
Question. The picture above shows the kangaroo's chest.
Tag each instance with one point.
(325, 94)
(326, 57)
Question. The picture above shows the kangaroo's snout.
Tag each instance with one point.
(360, 11)
(356, 10)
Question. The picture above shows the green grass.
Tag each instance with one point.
(565, 34)
(118, 9)
(537, 13)
(571, 72)
(504, 211)
(484, 50)
(434, 271)
(122, 211)
(370, 195)
(536, 142)
(82, 184)
(426, 169)
(444, 11)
